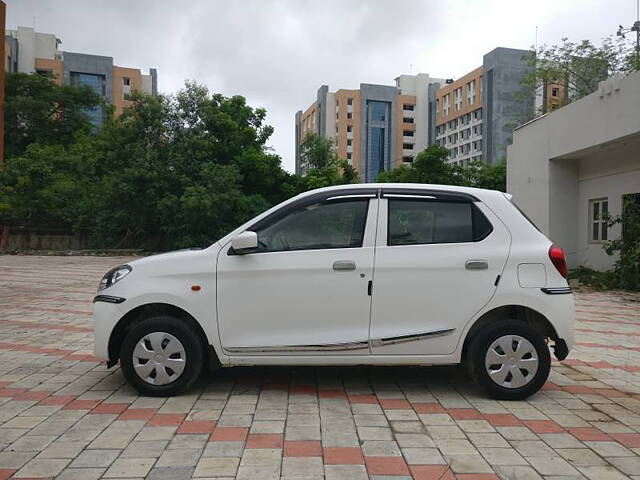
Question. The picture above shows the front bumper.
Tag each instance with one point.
(105, 317)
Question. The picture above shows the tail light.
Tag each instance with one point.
(556, 254)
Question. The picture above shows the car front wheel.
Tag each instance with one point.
(161, 356)
(510, 360)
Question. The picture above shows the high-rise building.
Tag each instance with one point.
(476, 114)
(29, 51)
(375, 127)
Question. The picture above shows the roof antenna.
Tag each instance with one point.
(410, 68)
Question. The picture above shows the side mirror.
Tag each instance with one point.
(246, 242)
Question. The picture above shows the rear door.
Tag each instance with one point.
(437, 259)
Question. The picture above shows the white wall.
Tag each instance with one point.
(610, 177)
(46, 46)
(26, 49)
(542, 170)
(418, 85)
(32, 45)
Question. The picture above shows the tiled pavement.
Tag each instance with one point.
(64, 415)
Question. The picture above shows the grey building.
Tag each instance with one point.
(475, 114)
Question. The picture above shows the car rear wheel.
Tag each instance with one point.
(161, 356)
(510, 360)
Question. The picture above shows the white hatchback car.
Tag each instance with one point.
(375, 274)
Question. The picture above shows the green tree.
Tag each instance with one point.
(170, 172)
(431, 166)
(37, 110)
(182, 170)
(626, 271)
(579, 66)
(323, 166)
(484, 175)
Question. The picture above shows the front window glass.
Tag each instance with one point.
(330, 224)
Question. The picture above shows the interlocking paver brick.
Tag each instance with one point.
(58, 405)
(302, 448)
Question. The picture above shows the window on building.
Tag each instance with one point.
(598, 212)
(410, 107)
(471, 92)
(407, 120)
(555, 92)
(349, 142)
(349, 128)
(407, 159)
(407, 146)
(126, 81)
(349, 115)
(407, 133)
(349, 101)
(458, 99)
(349, 155)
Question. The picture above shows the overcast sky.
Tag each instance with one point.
(277, 53)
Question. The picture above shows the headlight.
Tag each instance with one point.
(114, 276)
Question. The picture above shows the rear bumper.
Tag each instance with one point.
(562, 317)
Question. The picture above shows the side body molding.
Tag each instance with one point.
(413, 337)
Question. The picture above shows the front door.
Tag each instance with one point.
(304, 291)
(437, 261)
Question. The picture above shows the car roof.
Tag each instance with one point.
(479, 192)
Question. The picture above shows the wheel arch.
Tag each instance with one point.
(519, 313)
(147, 310)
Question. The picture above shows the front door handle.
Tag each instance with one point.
(343, 265)
(476, 265)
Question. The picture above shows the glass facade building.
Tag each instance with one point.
(377, 138)
(97, 83)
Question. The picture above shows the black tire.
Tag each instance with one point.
(482, 341)
(185, 334)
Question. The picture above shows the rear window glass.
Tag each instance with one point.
(418, 222)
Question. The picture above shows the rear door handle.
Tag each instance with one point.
(343, 265)
(476, 265)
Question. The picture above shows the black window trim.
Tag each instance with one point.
(432, 198)
(351, 194)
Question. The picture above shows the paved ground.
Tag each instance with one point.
(64, 415)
